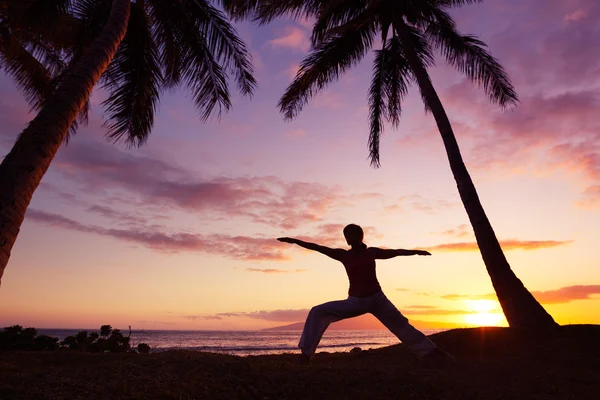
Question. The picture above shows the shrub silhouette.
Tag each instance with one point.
(107, 340)
(143, 348)
(105, 330)
(16, 338)
(111, 340)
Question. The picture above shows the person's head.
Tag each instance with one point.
(354, 236)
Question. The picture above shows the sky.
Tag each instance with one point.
(180, 233)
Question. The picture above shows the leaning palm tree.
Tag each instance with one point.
(136, 49)
(342, 35)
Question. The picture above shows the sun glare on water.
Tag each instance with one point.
(485, 313)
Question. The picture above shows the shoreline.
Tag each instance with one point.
(491, 364)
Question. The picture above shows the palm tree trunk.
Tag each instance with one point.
(25, 165)
(521, 309)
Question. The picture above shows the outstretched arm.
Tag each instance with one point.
(336, 254)
(384, 254)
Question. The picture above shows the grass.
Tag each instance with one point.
(492, 363)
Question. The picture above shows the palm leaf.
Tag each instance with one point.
(397, 78)
(223, 42)
(456, 3)
(389, 86)
(30, 75)
(325, 64)
(267, 11)
(42, 18)
(168, 36)
(339, 15)
(470, 56)
(240, 9)
(133, 78)
(377, 109)
(424, 52)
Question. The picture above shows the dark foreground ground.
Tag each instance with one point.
(491, 363)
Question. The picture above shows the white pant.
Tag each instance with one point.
(322, 315)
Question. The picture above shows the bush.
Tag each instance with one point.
(143, 348)
(108, 339)
(16, 338)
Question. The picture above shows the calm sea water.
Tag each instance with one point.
(249, 342)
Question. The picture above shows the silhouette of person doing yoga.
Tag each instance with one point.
(364, 296)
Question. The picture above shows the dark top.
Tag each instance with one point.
(360, 267)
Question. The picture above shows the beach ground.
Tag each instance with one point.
(491, 363)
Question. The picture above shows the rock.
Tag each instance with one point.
(355, 350)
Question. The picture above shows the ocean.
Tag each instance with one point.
(248, 342)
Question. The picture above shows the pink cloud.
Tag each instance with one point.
(567, 294)
(557, 76)
(329, 100)
(292, 37)
(273, 315)
(296, 133)
(237, 247)
(274, 270)
(507, 245)
(557, 296)
(422, 204)
(267, 200)
(544, 132)
(576, 15)
(461, 231)
(291, 71)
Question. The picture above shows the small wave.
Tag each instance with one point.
(245, 349)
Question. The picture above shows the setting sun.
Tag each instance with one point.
(485, 313)
(485, 319)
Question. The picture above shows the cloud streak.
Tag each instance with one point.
(274, 270)
(293, 38)
(236, 247)
(267, 200)
(296, 315)
(557, 296)
(507, 245)
(273, 315)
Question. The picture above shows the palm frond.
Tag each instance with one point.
(325, 64)
(92, 16)
(30, 75)
(82, 119)
(389, 86)
(133, 78)
(207, 81)
(42, 18)
(223, 42)
(424, 52)
(189, 41)
(457, 3)
(267, 11)
(168, 36)
(340, 15)
(240, 9)
(377, 109)
(50, 57)
(470, 56)
(397, 78)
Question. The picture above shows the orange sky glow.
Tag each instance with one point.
(180, 234)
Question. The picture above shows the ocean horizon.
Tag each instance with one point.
(247, 342)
